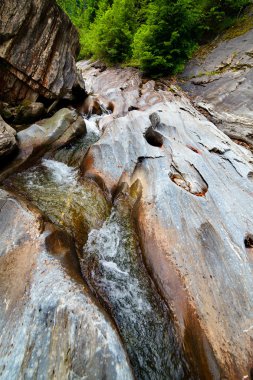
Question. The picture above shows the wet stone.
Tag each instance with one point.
(50, 325)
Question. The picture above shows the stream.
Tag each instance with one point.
(109, 253)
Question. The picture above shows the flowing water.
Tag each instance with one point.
(110, 256)
(113, 266)
(73, 153)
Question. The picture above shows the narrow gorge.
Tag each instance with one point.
(126, 218)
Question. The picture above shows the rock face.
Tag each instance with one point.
(22, 113)
(47, 134)
(50, 325)
(38, 47)
(221, 84)
(194, 217)
(7, 139)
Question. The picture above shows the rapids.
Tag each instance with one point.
(109, 253)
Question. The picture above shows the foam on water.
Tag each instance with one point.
(92, 124)
(118, 277)
(61, 173)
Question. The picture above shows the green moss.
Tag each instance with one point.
(241, 26)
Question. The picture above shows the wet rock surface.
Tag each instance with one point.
(38, 47)
(112, 264)
(47, 134)
(122, 90)
(221, 85)
(7, 139)
(50, 326)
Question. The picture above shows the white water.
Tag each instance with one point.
(112, 266)
(108, 245)
(61, 173)
(92, 125)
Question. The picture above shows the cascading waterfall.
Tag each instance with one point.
(109, 254)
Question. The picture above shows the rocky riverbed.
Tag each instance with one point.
(126, 226)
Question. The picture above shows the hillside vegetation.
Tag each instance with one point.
(158, 36)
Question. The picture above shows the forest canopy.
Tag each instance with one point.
(158, 36)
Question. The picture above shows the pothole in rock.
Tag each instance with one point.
(193, 182)
(153, 137)
(216, 150)
(250, 176)
(132, 108)
(248, 241)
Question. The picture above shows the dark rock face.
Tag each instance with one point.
(51, 327)
(38, 47)
(221, 84)
(23, 113)
(7, 138)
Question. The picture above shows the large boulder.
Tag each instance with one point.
(194, 220)
(38, 47)
(47, 134)
(24, 113)
(51, 327)
(220, 82)
(7, 139)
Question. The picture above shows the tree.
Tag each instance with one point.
(158, 36)
(168, 38)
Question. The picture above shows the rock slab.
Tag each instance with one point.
(194, 217)
(221, 85)
(47, 134)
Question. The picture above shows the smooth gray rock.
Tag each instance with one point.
(50, 325)
(46, 134)
(221, 84)
(194, 218)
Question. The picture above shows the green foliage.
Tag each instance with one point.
(168, 38)
(110, 35)
(158, 36)
(75, 9)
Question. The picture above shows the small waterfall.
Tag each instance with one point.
(113, 267)
(74, 152)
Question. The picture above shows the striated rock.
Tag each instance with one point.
(120, 91)
(47, 134)
(7, 138)
(194, 221)
(37, 51)
(50, 325)
(221, 85)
